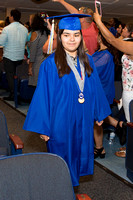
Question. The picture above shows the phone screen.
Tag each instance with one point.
(98, 5)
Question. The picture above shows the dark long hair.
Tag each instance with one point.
(38, 24)
(60, 57)
(111, 49)
(130, 28)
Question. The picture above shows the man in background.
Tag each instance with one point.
(89, 28)
(13, 39)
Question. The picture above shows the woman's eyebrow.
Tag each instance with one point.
(65, 32)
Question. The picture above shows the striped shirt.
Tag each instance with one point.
(13, 39)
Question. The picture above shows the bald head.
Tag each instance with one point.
(88, 11)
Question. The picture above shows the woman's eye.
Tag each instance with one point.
(77, 35)
(66, 35)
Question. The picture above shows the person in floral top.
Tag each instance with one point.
(127, 60)
(127, 81)
(127, 71)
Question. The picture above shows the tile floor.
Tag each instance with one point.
(111, 161)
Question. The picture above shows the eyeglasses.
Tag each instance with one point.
(84, 9)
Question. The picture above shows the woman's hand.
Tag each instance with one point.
(99, 123)
(44, 137)
(97, 17)
(49, 26)
(28, 61)
(30, 73)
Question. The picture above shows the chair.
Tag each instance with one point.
(3, 81)
(35, 176)
(129, 147)
(9, 144)
(22, 91)
(25, 91)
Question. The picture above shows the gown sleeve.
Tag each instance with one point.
(104, 64)
(102, 107)
(38, 116)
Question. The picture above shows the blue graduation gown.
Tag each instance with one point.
(56, 112)
(105, 67)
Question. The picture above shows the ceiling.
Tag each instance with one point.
(110, 8)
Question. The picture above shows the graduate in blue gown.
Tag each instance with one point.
(105, 59)
(104, 62)
(68, 99)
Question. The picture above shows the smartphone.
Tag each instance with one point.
(43, 15)
(98, 5)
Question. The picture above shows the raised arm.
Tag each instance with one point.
(68, 6)
(125, 47)
(45, 46)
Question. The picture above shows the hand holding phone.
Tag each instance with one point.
(98, 6)
(43, 15)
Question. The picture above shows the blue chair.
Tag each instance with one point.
(3, 80)
(9, 144)
(25, 91)
(129, 146)
(35, 176)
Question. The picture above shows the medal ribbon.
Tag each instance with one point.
(80, 80)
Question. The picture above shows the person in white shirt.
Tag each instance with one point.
(13, 39)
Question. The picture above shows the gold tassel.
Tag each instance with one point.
(50, 45)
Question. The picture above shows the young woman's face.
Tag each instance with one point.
(71, 41)
(119, 29)
(125, 33)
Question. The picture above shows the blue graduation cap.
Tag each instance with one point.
(69, 22)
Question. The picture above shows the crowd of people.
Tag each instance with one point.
(74, 86)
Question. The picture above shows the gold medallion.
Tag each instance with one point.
(81, 98)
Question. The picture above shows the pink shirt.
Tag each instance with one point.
(90, 37)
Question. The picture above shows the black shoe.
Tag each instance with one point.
(98, 153)
(9, 98)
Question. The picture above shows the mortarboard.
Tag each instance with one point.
(69, 22)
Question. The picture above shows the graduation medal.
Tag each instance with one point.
(81, 98)
(80, 80)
